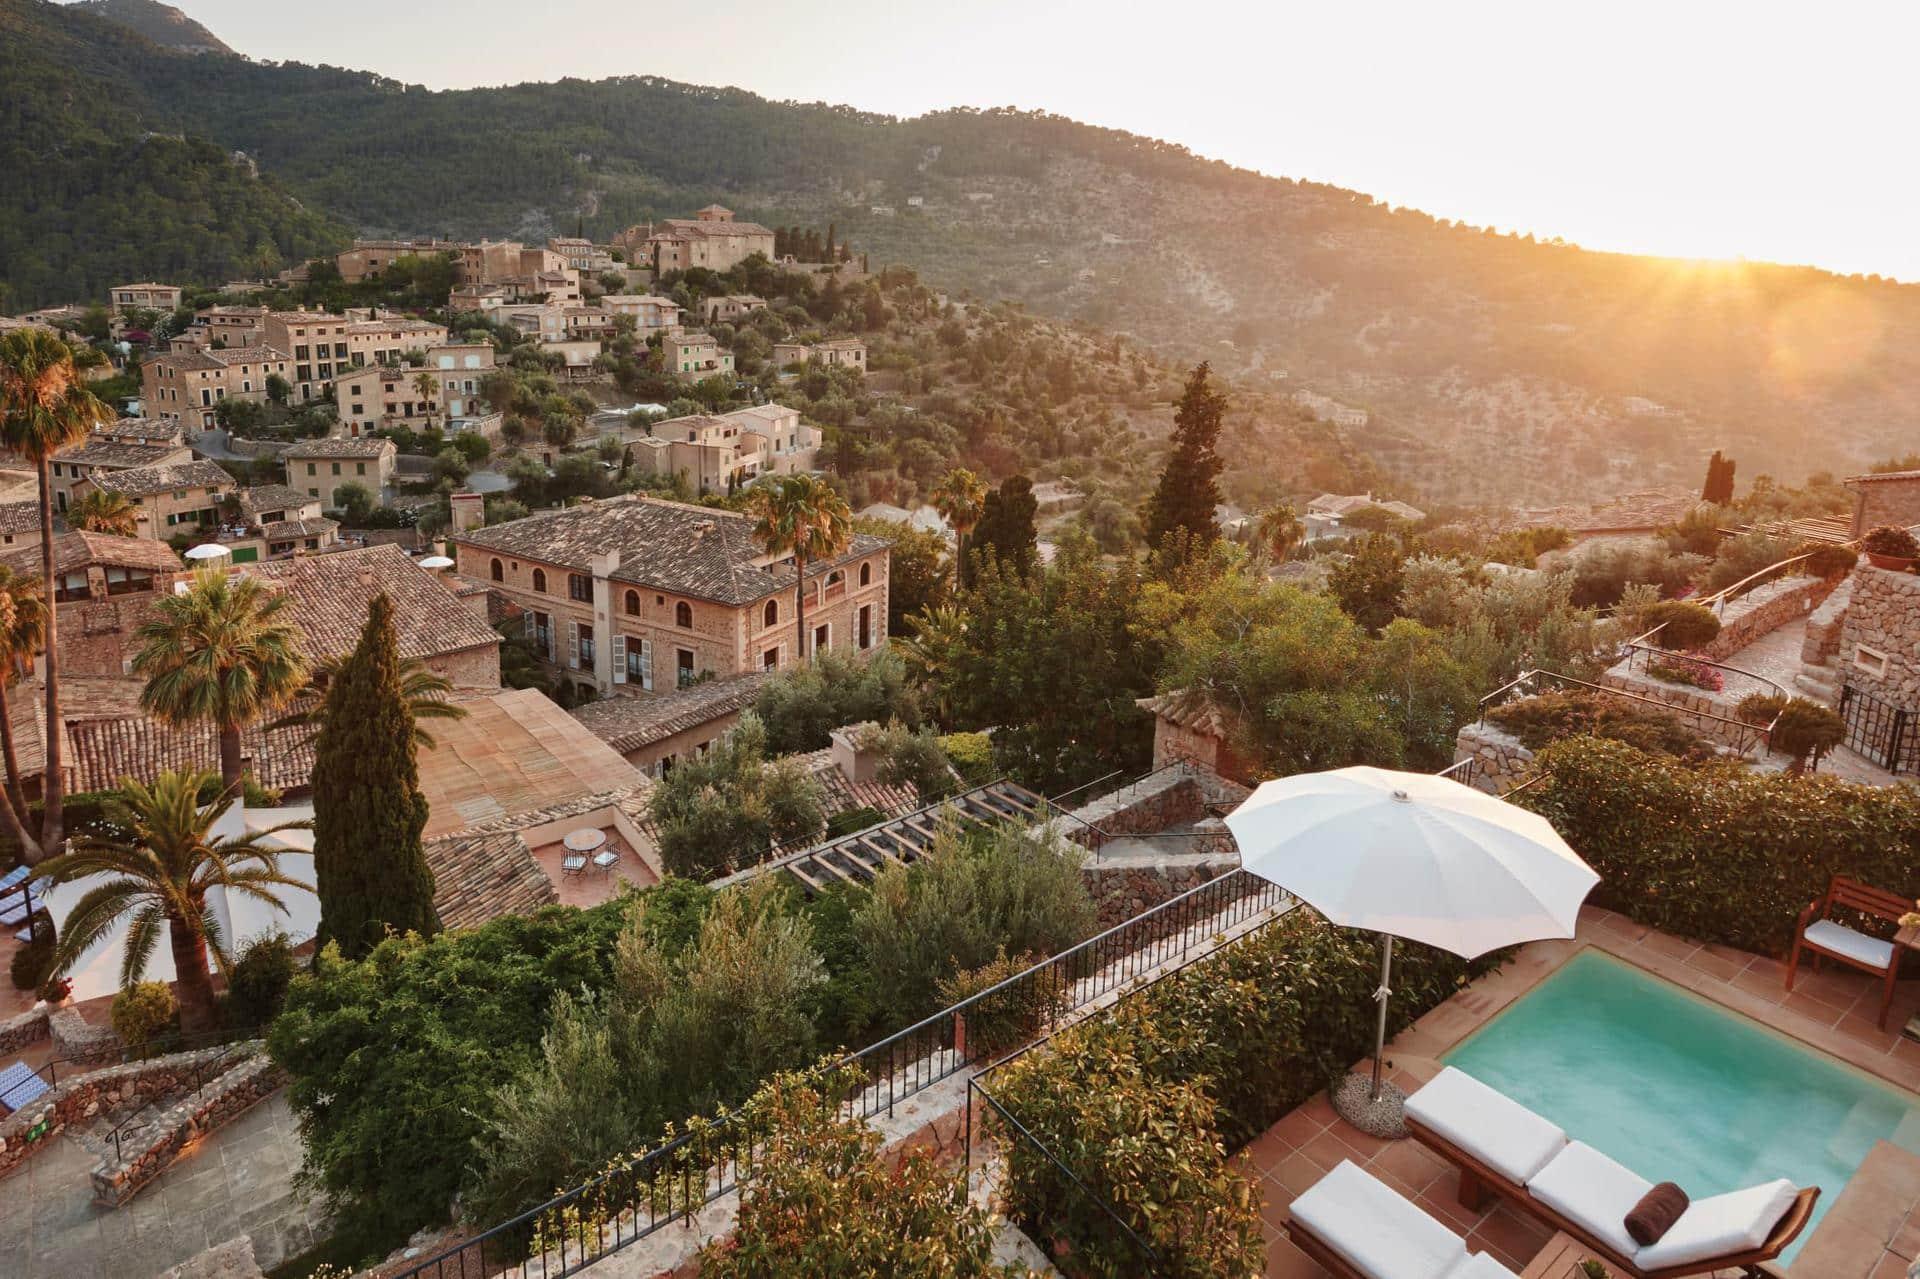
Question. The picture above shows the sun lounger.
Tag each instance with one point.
(19, 1085)
(1358, 1227)
(17, 904)
(14, 876)
(1501, 1147)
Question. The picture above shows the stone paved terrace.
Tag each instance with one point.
(1871, 1232)
(238, 1180)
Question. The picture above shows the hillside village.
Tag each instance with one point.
(642, 667)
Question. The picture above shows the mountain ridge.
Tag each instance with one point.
(163, 24)
(1478, 365)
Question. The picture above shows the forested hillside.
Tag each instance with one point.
(1486, 367)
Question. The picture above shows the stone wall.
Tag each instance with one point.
(1500, 760)
(1878, 500)
(1712, 719)
(1169, 798)
(1127, 886)
(80, 1041)
(1884, 616)
(29, 1027)
(195, 1115)
(85, 1096)
(1766, 609)
(1824, 626)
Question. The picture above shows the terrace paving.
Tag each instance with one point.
(1831, 1011)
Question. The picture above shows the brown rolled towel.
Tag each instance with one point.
(1656, 1212)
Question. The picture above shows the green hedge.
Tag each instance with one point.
(1254, 1032)
(1550, 717)
(1717, 852)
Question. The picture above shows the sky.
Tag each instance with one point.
(1690, 128)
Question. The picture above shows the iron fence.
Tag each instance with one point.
(671, 1182)
(1877, 730)
(1742, 736)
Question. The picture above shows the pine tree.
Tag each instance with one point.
(370, 871)
(1189, 485)
(1006, 526)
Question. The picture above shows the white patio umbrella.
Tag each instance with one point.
(1411, 855)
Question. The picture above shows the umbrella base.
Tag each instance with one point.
(1383, 1116)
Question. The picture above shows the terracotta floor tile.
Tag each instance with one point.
(1411, 1163)
(1284, 1261)
(1298, 1127)
(1295, 1175)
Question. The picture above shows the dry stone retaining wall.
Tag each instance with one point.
(29, 1027)
(162, 1139)
(1123, 889)
(1501, 759)
(1764, 610)
(80, 1041)
(85, 1096)
(1824, 626)
(1884, 616)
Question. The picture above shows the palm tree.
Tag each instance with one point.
(427, 387)
(427, 693)
(802, 516)
(25, 617)
(937, 636)
(104, 512)
(220, 652)
(960, 497)
(43, 409)
(1278, 531)
(159, 873)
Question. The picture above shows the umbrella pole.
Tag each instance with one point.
(1381, 996)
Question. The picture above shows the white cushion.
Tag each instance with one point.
(1842, 940)
(1374, 1229)
(1720, 1226)
(1496, 1129)
(1480, 1265)
(1586, 1187)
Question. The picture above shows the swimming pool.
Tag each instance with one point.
(1680, 1089)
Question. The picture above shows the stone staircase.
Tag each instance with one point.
(1817, 677)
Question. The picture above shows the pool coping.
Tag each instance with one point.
(1819, 1014)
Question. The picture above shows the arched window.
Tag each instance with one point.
(683, 614)
(540, 580)
(499, 571)
(773, 613)
(866, 574)
(633, 603)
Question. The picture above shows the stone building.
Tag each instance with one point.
(638, 595)
(848, 353)
(710, 238)
(694, 355)
(1880, 654)
(1889, 498)
(316, 344)
(712, 454)
(653, 733)
(319, 468)
(101, 453)
(188, 385)
(1192, 727)
(103, 589)
(144, 297)
(179, 497)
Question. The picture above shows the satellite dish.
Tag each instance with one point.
(208, 551)
(436, 562)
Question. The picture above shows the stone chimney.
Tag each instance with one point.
(854, 752)
(468, 510)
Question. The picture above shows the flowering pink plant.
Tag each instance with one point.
(1688, 670)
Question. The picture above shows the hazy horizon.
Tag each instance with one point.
(1714, 132)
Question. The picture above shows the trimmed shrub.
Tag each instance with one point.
(257, 986)
(1143, 1104)
(1807, 730)
(1892, 540)
(1554, 716)
(1756, 708)
(1684, 625)
(1828, 559)
(1716, 852)
(142, 1012)
(971, 755)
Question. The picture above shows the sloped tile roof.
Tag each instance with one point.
(104, 450)
(331, 595)
(105, 750)
(76, 550)
(671, 546)
(481, 877)
(272, 497)
(341, 446)
(144, 481)
(20, 517)
(629, 724)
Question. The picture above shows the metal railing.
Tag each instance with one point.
(198, 1077)
(1878, 731)
(639, 1196)
(1742, 735)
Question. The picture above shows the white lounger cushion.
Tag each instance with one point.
(1480, 1265)
(1378, 1232)
(1842, 940)
(1493, 1127)
(1721, 1226)
(1586, 1187)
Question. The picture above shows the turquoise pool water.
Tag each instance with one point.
(1680, 1089)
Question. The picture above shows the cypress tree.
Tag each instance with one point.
(830, 233)
(1006, 524)
(1189, 485)
(1719, 486)
(369, 869)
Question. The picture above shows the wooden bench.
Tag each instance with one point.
(1818, 932)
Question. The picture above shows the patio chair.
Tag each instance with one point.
(606, 859)
(1501, 1147)
(573, 863)
(1358, 1227)
(1826, 937)
(20, 1084)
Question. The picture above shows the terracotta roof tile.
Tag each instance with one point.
(481, 877)
(106, 750)
(76, 550)
(104, 450)
(144, 481)
(630, 723)
(690, 550)
(331, 594)
(341, 446)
